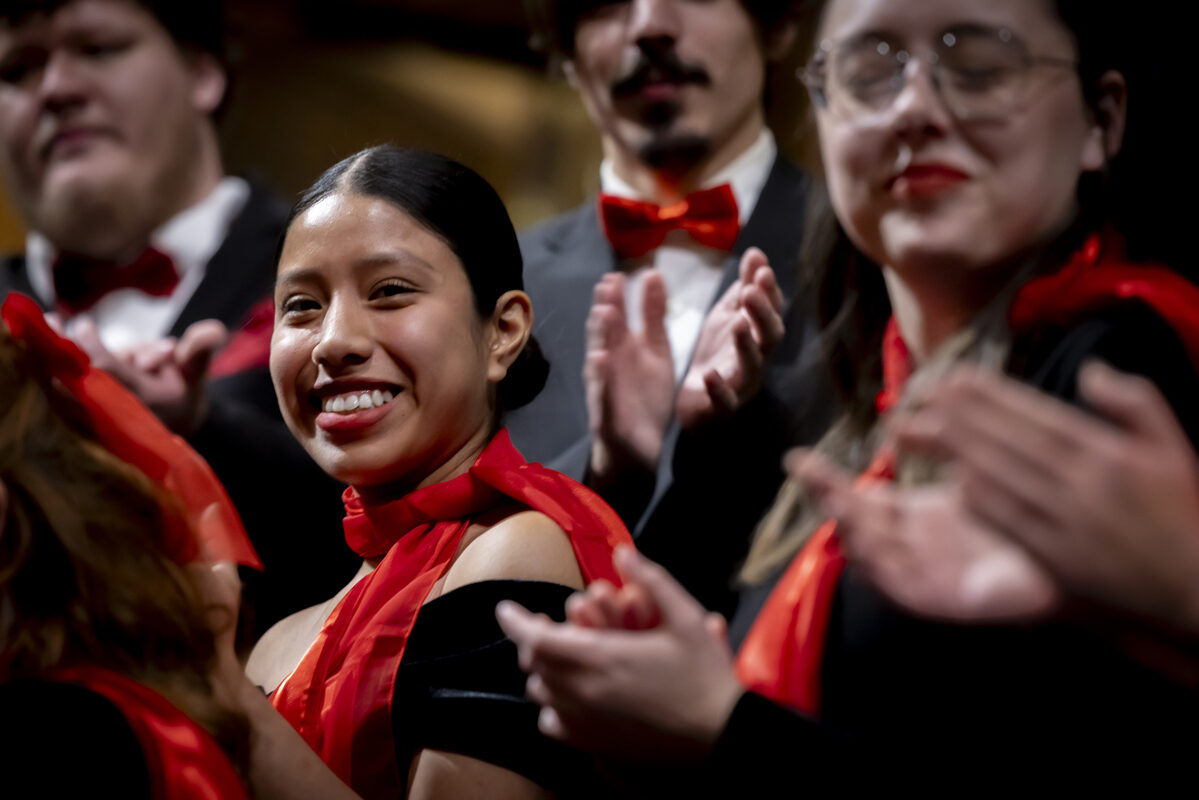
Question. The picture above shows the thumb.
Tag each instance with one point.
(197, 346)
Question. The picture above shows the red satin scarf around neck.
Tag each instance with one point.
(339, 697)
(781, 657)
(183, 761)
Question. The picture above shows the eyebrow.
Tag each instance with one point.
(371, 262)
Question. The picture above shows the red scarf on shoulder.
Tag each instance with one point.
(339, 697)
(781, 657)
(183, 761)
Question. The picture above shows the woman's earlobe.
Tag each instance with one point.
(512, 325)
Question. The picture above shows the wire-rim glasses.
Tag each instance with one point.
(979, 73)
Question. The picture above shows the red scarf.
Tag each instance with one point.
(782, 655)
(339, 697)
(183, 761)
(130, 431)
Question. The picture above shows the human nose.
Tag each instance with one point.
(64, 80)
(345, 337)
(654, 21)
(919, 107)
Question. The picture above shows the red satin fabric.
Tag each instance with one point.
(782, 655)
(129, 431)
(1097, 276)
(339, 697)
(635, 227)
(184, 762)
(80, 283)
(250, 345)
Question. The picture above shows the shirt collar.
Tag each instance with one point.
(191, 237)
(746, 174)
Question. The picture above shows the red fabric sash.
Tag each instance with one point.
(782, 655)
(636, 227)
(339, 697)
(184, 762)
(129, 431)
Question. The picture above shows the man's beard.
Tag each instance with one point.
(674, 152)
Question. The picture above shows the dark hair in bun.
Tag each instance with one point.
(454, 203)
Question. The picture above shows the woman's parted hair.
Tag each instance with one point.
(457, 205)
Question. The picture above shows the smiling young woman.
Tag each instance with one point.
(968, 148)
(401, 335)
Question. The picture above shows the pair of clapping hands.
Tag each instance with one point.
(630, 377)
(1041, 501)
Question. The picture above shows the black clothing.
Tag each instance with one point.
(911, 700)
(460, 689)
(61, 740)
(673, 521)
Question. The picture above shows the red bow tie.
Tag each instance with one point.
(635, 227)
(80, 282)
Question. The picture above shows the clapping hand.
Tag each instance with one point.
(654, 692)
(923, 548)
(738, 336)
(1109, 505)
(629, 378)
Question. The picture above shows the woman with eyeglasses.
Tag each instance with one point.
(969, 150)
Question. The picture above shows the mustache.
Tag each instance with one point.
(660, 66)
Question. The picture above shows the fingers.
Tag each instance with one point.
(749, 353)
(653, 309)
(761, 312)
(197, 346)
(671, 599)
(823, 482)
(85, 334)
(722, 396)
(606, 320)
(541, 642)
(1130, 401)
(751, 260)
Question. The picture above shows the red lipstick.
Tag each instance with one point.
(923, 180)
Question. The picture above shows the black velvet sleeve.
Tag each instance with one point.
(460, 689)
(60, 740)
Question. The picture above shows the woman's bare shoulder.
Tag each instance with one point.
(526, 545)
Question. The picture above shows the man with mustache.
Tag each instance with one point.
(656, 303)
(147, 251)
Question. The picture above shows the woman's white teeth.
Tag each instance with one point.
(358, 401)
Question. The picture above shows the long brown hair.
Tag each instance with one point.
(853, 306)
(84, 578)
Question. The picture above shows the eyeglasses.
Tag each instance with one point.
(979, 73)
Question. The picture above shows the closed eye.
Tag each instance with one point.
(392, 287)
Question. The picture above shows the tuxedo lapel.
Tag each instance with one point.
(774, 227)
(242, 272)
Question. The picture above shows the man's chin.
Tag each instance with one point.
(674, 151)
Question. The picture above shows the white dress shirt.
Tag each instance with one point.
(128, 317)
(690, 271)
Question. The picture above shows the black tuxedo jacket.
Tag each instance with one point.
(712, 484)
(290, 507)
